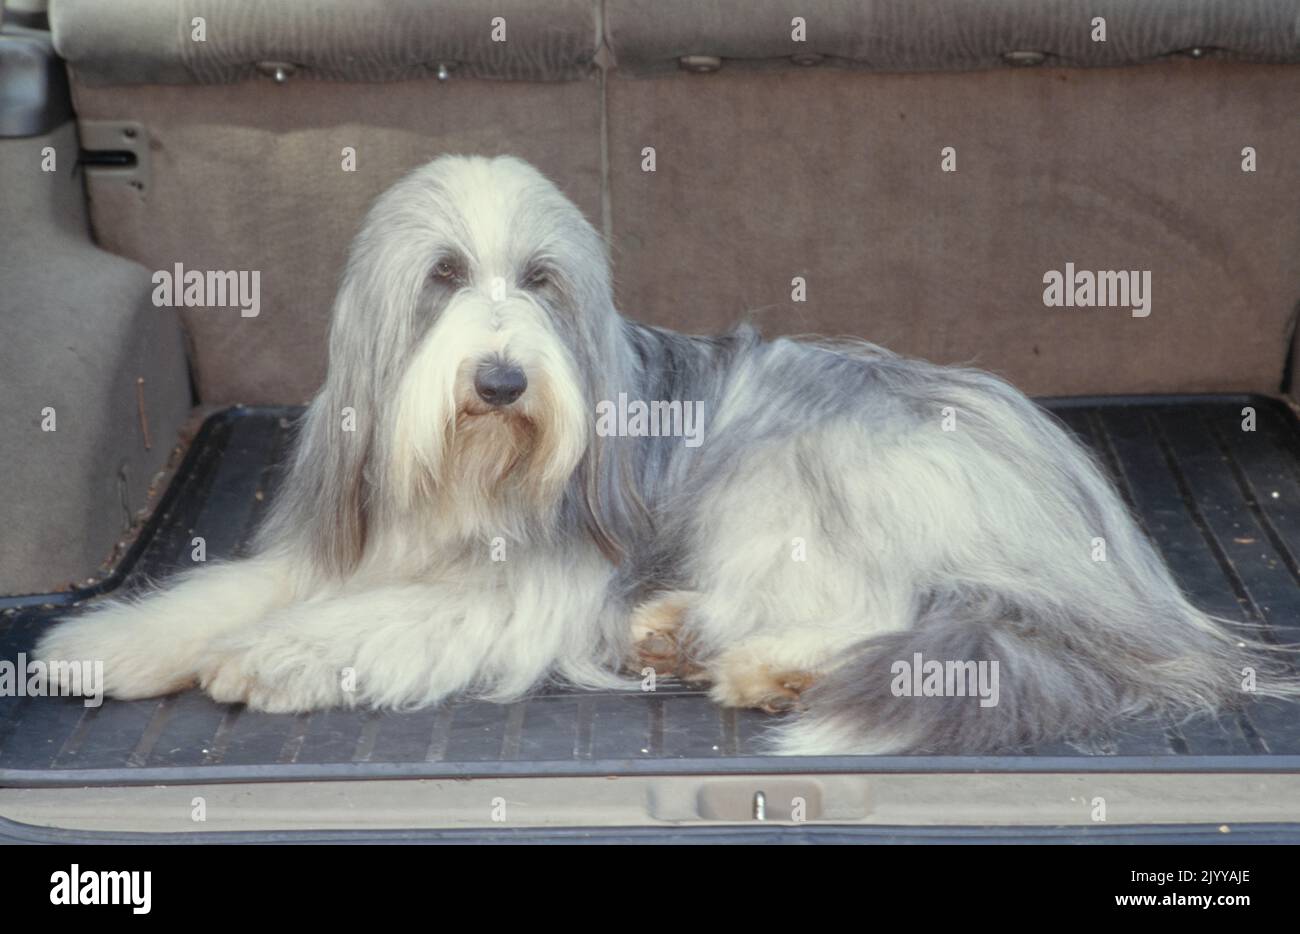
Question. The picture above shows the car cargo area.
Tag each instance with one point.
(1222, 503)
(213, 225)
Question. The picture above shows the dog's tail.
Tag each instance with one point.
(979, 680)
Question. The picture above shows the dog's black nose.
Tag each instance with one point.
(499, 383)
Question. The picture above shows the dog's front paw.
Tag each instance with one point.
(131, 662)
(226, 678)
(270, 678)
(659, 640)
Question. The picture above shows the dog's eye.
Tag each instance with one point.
(444, 269)
(537, 279)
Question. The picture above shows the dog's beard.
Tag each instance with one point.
(491, 455)
(503, 472)
(481, 472)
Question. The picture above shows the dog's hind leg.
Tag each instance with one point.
(790, 572)
(153, 645)
(768, 672)
(771, 672)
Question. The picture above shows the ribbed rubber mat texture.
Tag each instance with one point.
(1222, 503)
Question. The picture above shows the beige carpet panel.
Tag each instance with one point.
(836, 177)
(250, 177)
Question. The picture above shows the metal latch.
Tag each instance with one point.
(700, 64)
(279, 72)
(116, 151)
(1024, 58)
(774, 798)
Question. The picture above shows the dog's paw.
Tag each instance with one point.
(658, 639)
(274, 678)
(226, 679)
(759, 686)
(235, 679)
(132, 666)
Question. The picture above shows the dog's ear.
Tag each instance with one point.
(323, 504)
(608, 490)
(610, 507)
(322, 508)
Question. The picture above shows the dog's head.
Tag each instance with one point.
(473, 332)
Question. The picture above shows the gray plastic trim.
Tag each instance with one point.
(772, 765)
(34, 97)
(13, 832)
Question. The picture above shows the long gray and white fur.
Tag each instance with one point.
(847, 509)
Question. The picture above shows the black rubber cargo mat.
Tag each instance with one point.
(1223, 504)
